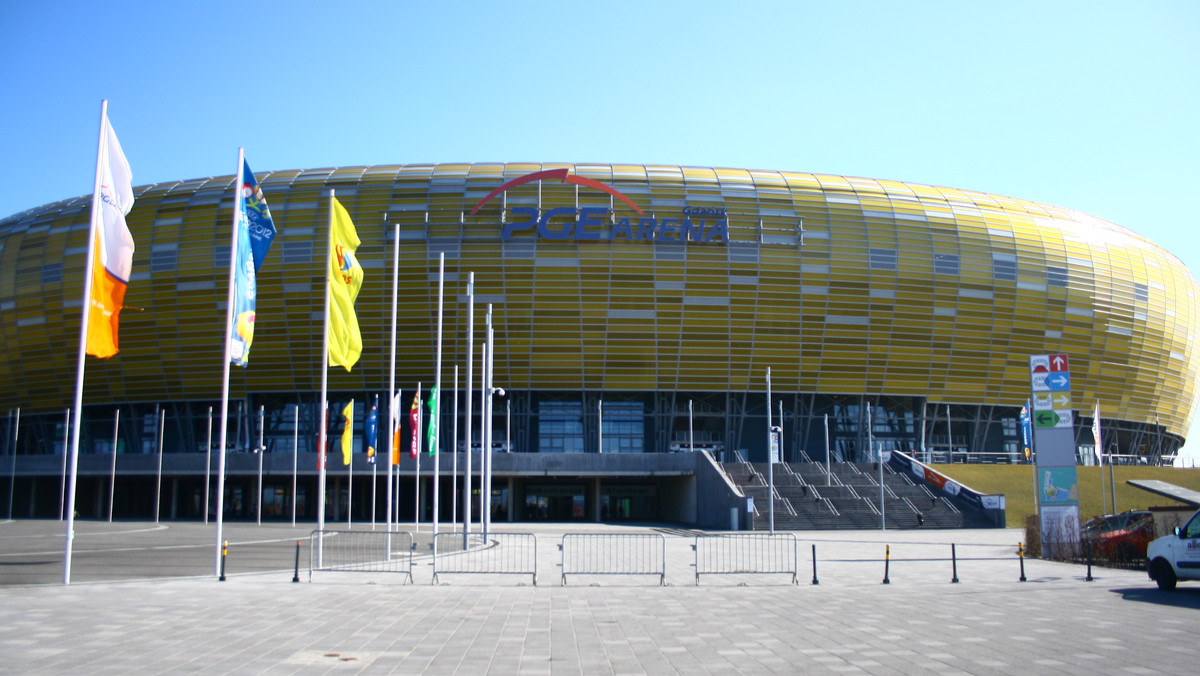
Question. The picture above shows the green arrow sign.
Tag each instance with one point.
(1045, 419)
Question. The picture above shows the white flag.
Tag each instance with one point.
(113, 257)
(116, 194)
(1096, 433)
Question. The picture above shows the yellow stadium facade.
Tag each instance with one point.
(636, 310)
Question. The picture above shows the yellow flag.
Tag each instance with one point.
(348, 432)
(345, 279)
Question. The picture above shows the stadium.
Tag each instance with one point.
(636, 309)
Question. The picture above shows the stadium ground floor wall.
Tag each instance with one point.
(613, 489)
(731, 425)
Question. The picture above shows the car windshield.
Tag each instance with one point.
(1117, 522)
(1192, 529)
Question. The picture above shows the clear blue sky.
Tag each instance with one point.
(1088, 105)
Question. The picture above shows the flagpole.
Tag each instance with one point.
(470, 382)
(828, 454)
(223, 429)
(487, 484)
(375, 462)
(62, 491)
(454, 455)
(322, 460)
(162, 426)
(112, 476)
(483, 440)
(393, 400)
(436, 415)
(261, 452)
(101, 156)
(207, 463)
(771, 458)
(417, 466)
(1099, 439)
(12, 472)
(350, 472)
(295, 457)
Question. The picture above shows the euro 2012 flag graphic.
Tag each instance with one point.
(255, 231)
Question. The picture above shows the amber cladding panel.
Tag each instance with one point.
(842, 285)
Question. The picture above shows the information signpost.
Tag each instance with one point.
(1054, 440)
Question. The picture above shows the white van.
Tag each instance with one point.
(1175, 557)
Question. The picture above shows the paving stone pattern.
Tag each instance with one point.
(988, 623)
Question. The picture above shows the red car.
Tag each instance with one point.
(1119, 537)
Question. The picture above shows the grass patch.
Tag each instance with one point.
(1016, 483)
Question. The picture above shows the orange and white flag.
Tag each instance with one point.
(113, 257)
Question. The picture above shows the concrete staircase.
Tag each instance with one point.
(847, 497)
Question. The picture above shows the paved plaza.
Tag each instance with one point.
(144, 599)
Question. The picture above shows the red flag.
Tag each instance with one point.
(415, 423)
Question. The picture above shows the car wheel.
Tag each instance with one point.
(1164, 575)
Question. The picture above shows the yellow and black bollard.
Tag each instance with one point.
(887, 561)
(224, 554)
(1021, 555)
(296, 575)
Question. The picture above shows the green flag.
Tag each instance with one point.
(431, 437)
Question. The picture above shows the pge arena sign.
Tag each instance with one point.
(696, 224)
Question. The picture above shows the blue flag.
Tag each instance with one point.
(255, 230)
(372, 431)
(1026, 431)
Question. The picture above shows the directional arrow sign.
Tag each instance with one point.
(1062, 400)
(1058, 363)
(1058, 382)
(1044, 419)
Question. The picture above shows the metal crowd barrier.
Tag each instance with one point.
(361, 551)
(501, 553)
(746, 553)
(614, 554)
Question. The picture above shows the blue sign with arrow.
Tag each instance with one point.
(1058, 382)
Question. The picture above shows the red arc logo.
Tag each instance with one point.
(564, 176)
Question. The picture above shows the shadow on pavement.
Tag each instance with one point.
(1180, 598)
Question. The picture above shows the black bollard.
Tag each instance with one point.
(224, 553)
(296, 576)
(1021, 555)
(1089, 577)
(887, 561)
(815, 565)
(954, 564)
